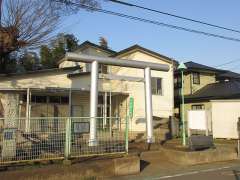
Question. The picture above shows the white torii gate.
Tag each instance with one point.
(95, 60)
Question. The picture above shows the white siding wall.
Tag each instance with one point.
(80, 101)
(224, 118)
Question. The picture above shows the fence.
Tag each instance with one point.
(58, 137)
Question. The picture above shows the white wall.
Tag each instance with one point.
(37, 80)
(46, 80)
(162, 104)
(224, 118)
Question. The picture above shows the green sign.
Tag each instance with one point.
(131, 106)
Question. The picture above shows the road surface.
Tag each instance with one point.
(219, 171)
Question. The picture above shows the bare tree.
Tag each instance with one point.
(31, 23)
(25, 23)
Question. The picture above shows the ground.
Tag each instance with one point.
(157, 170)
(150, 171)
(151, 168)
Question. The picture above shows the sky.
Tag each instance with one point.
(182, 46)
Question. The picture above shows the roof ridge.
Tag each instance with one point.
(137, 46)
(96, 45)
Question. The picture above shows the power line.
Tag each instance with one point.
(91, 8)
(174, 15)
(229, 62)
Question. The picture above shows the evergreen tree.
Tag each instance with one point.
(57, 50)
(71, 42)
(46, 57)
(103, 42)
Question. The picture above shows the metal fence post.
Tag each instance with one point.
(126, 135)
(68, 133)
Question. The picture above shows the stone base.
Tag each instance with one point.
(200, 157)
(67, 162)
(127, 165)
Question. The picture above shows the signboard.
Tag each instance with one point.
(197, 120)
(9, 143)
(81, 127)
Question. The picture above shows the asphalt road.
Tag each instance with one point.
(216, 171)
(208, 174)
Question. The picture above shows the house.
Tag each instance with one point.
(215, 91)
(197, 76)
(64, 91)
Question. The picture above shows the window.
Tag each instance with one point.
(103, 69)
(100, 99)
(196, 78)
(198, 107)
(59, 99)
(156, 86)
(87, 67)
(54, 99)
(41, 99)
(64, 100)
(35, 99)
(177, 82)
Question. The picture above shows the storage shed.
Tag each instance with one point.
(222, 100)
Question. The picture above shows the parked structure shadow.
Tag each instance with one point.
(143, 164)
(236, 174)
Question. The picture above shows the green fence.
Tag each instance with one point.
(49, 138)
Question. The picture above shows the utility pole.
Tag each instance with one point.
(181, 68)
(1, 36)
(1, 2)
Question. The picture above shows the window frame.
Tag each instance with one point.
(103, 69)
(155, 90)
(194, 76)
(197, 107)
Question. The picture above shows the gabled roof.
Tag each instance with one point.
(138, 47)
(88, 43)
(228, 74)
(219, 90)
(42, 71)
(196, 66)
